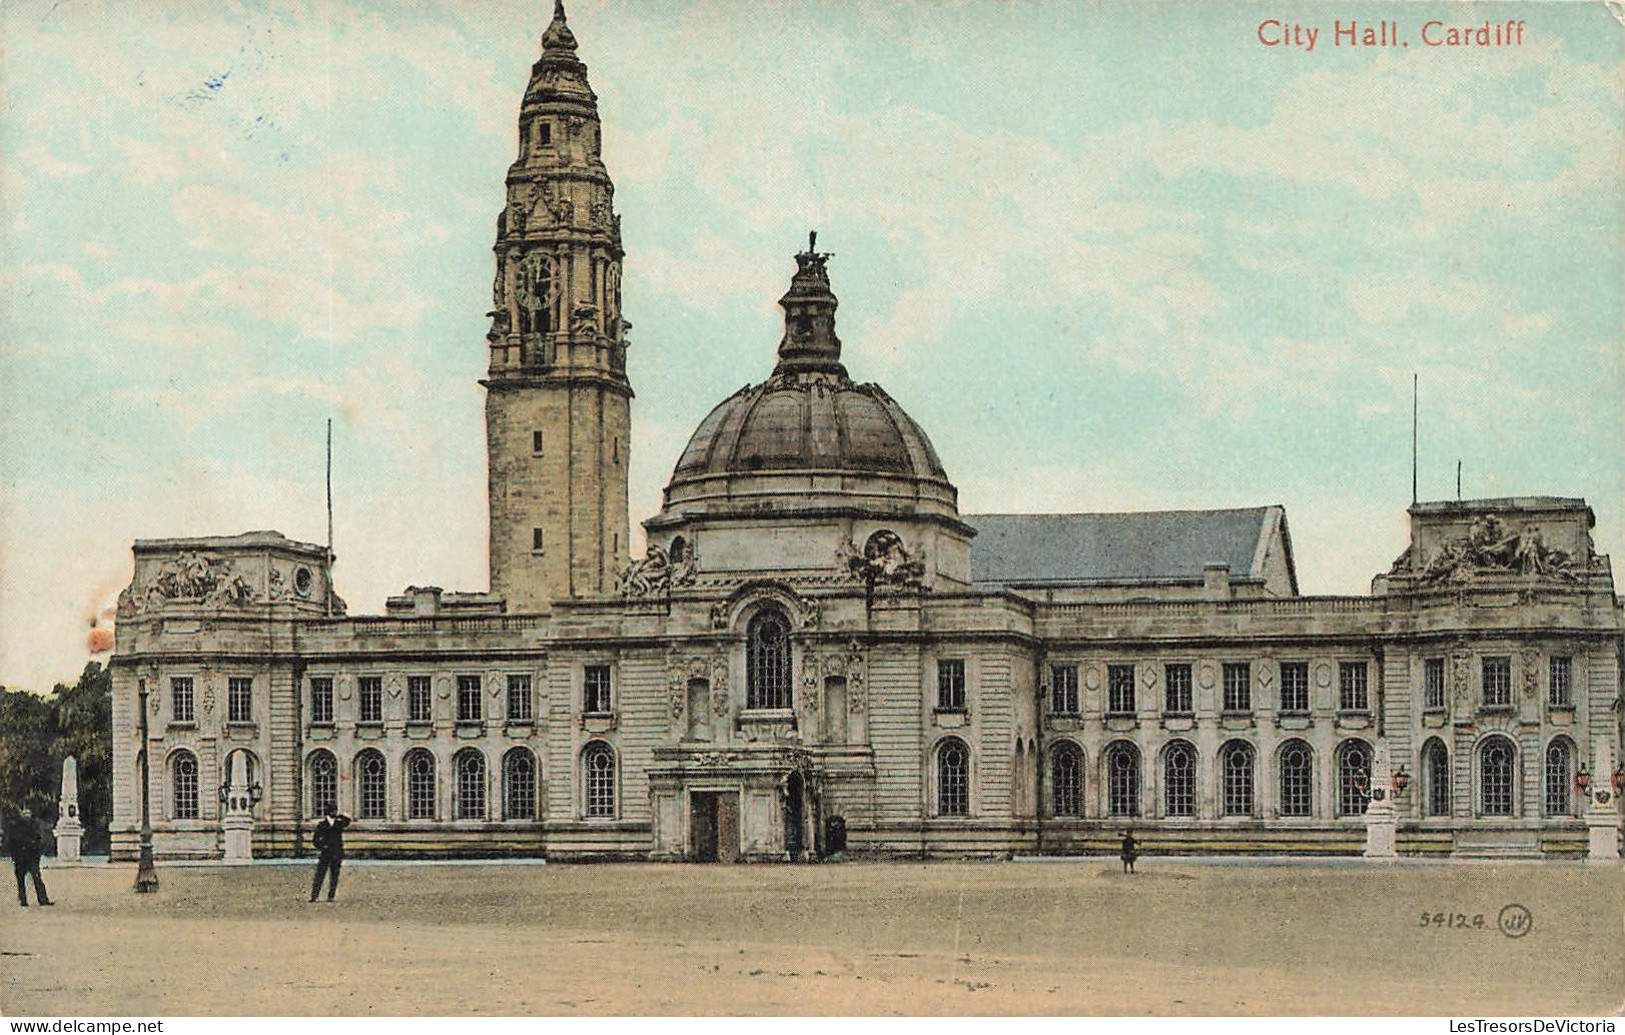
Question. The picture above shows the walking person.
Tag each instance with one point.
(25, 844)
(1130, 853)
(329, 841)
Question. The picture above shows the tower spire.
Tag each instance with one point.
(809, 343)
(558, 35)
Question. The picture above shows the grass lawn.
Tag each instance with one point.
(948, 938)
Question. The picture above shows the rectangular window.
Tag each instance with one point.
(419, 699)
(321, 700)
(1120, 689)
(536, 540)
(1497, 679)
(950, 685)
(371, 692)
(1352, 695)
(518, 698)
(239, 699)
(1063, 686)
(468, 698)
(595, 690)
(1176, 696)
(1433, 683)
(536, 442)
(545, 129)
(180, 699)
(1294, 686)
(1560, 692)
(1238, 686)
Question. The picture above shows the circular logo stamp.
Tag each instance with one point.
(1515, 921)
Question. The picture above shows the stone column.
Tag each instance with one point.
(69, 829)
(238, 823)
(1602, 806)
(1379, 812)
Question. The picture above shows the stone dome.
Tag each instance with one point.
(809, 420)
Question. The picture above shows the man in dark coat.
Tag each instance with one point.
(25, 845)
(1130, 851)
(329, 841)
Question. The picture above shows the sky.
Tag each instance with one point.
(1110, 256)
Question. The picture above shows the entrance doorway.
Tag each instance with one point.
(794, 817)
(713, 827)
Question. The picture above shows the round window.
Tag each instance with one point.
(303, 581)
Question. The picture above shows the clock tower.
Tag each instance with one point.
(557, 405)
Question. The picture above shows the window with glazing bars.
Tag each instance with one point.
(1560, 671)
(324, 783)
(1559, 773)
(519, 785)
(1497, 682)
(180, 699)
(1433, 683)
(321, 700)
(519, 706)
(1238, 687)
(468, 698)
(598, 761)
(1352, 693)
(951, 685)
(1297, 779)
(953, 779)
(1176, 689)
(767, 660)
(1238, 780)
(370, 697)
(470, 772)
(1066, 780)
(239, 699)
(1353, 778)
(1123, 780)
(370, 786)
(1496, 764)
(595, 690)
(1120, 689)
(420, 785)
(1179, 779)
(1438, 778)
(419, 699)
(184, 769)
(1063, 689)
(1294, 686)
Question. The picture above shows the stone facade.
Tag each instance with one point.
(816, 653)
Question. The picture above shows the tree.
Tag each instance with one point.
(37, 732)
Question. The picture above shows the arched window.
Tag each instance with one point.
(519, 784)
(953, 778)
(1236, 762)
(469, 770)
(1066, 780)
(369, 775)
(324, 783)
(679, 550)
(1297, 779)
(183, 785)
(420, 780)
(1436, 777)
(1559, 774)
(1497, 761)
(1179, 779)
(1123, 780)
(1353, 777)
(767, 660)
(598, 780)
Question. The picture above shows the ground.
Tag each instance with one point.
(1059, 937)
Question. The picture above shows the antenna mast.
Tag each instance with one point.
(1458, 481)
(1413, 437)
(330, 516)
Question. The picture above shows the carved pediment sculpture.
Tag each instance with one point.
(1491, 546)
(189, 577)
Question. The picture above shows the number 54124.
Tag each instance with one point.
(1453, 921)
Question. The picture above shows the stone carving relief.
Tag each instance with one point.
(584, 318)
(206, 701)
(1531, 676)
(657, 573)
(883, 561)
(1491, 546)
(495, 684)
(346, 685)
(719, 685)
(1461, 672)
(190, 578)
(394, 686)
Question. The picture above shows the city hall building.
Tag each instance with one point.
(818, 652)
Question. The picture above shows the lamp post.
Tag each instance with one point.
(146, 875)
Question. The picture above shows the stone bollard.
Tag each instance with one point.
(69, 830)
(238, 823)
(1379, 811)
(1602, 806)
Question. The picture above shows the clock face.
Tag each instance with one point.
(535, 286)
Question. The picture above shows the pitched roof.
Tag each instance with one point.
(1147, 546)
